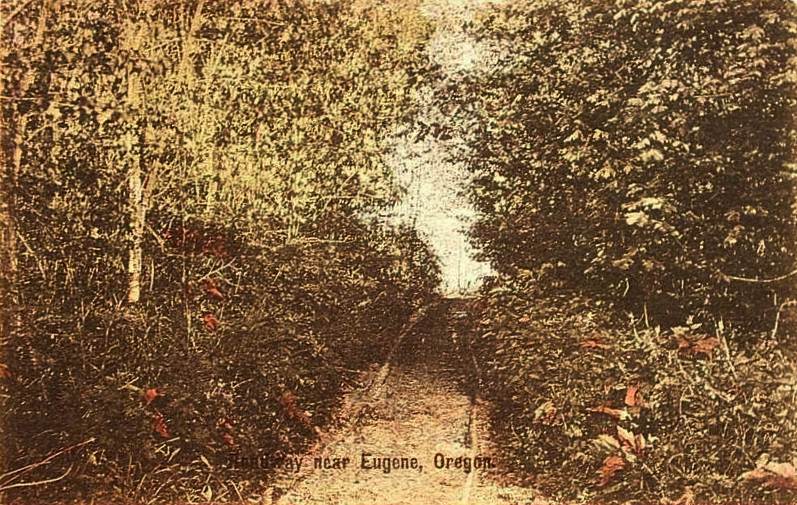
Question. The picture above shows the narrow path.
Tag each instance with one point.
(422, 410)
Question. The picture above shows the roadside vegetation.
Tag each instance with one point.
(192, 268)
(633, 166)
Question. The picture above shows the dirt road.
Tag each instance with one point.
(399, 433)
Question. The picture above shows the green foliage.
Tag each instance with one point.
(635, 159)
(639, 149)
(549, 363)
(255, 130)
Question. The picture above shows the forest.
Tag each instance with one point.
(195, 256)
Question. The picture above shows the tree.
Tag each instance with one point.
(638, 151)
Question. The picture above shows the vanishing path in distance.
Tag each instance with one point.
(420, 410)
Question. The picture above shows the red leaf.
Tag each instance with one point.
(159, 425)
(215, 294)
(775, 475)
(611, 466)
(212, 289)
(594, 344)
(683, 344)
(616, 413)
(210, 322)
(705, 345)
(150, 394)
(632, 396)
(5, 373)
(228, 439)
(292, 409)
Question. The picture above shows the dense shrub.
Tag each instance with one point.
(237, 147)
(559, 370)
(633, 161)
(641, 150)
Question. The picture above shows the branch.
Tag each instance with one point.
(761, 281)
(14, 13)
(38, 482)
(787, 303)
(25, 469)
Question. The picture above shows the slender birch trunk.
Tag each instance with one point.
(136, 204)
(8, 307)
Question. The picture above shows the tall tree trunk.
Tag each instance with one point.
(8, 271)
(136, 204)
(12, 137)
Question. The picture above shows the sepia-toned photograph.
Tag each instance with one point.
(398, 252)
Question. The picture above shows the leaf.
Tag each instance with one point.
(150, 394)
(207, 492)
(705, 345)
(611, 466)
(683, 343)
(159, 425)
(616, 413)
(632, 396)
(652, 155)
(5, 373)
(546, 412)
(228, 439)
(774, 475)
(291, 406)
(594, 344)
(607, 442)
(626, 437)
(640, 443)
(212, 289)
(210, 322)
(637, 219)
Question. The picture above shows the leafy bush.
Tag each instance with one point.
(640, 150)
(633, 160)
(197, 274)
(593, 409)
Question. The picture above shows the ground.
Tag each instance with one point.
(418, 404)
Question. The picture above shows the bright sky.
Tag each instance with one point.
(434, 202)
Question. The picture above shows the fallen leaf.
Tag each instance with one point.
(683, 343)
(594, 344)
(159, 425)
(705, 345)
(611, 466)
(210, 322)
(774, 475)
(5, 373)
(616, 413)
(150, 394)
(289, 402)
(632, 396)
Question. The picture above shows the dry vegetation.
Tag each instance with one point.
(192, 265)
(633, 165)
